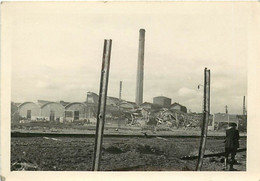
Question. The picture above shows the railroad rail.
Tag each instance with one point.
(55, 134)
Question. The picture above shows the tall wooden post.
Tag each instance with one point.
(206, 113)
(120, 94)
(226, 107)
(102, 104)
(244, 106)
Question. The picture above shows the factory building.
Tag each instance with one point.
(178, 107)
(75, 111)
(163, 101)
(29, 111)
(52, 111)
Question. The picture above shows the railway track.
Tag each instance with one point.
(138, 135)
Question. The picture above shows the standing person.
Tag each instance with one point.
(231, 144)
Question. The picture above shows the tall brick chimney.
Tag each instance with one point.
(140, 68)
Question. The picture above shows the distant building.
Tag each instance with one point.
(178, 107)
(75, 111)
(29, 111)
(52, 111)
(163, 101)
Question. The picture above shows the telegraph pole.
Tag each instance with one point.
(206, 113)
(120, 94)
(226, 107)
(119, 102)
(244, 105)
(102, 104)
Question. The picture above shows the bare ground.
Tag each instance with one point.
(119, 154)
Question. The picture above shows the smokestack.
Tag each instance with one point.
(120, 90)
(244, 105)
(226, 109)
(140, 69)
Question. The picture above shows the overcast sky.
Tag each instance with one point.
(57, 51)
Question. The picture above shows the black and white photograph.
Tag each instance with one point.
(127, 86)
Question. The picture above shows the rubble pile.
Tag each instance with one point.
(164, 118)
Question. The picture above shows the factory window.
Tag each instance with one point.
(76, 115)
(68, 114)
(52, 115)
(29, 114)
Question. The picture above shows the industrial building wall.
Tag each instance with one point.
(32, 107)
(158, 100)
(183, 109)
(163, 101)
(175, 107)
(167, 102)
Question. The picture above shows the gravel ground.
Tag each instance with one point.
(119, 154)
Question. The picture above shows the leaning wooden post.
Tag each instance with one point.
(102, 104)
(206, 113)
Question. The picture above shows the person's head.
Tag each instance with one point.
(233, 125)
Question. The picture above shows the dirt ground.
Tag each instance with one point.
(119, 154)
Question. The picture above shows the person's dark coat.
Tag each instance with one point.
(232, 137)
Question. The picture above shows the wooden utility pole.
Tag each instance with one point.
(206, 113)
(120, 94)
(119, 102)
(102, 104)
(226, 107)
(244, 105)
